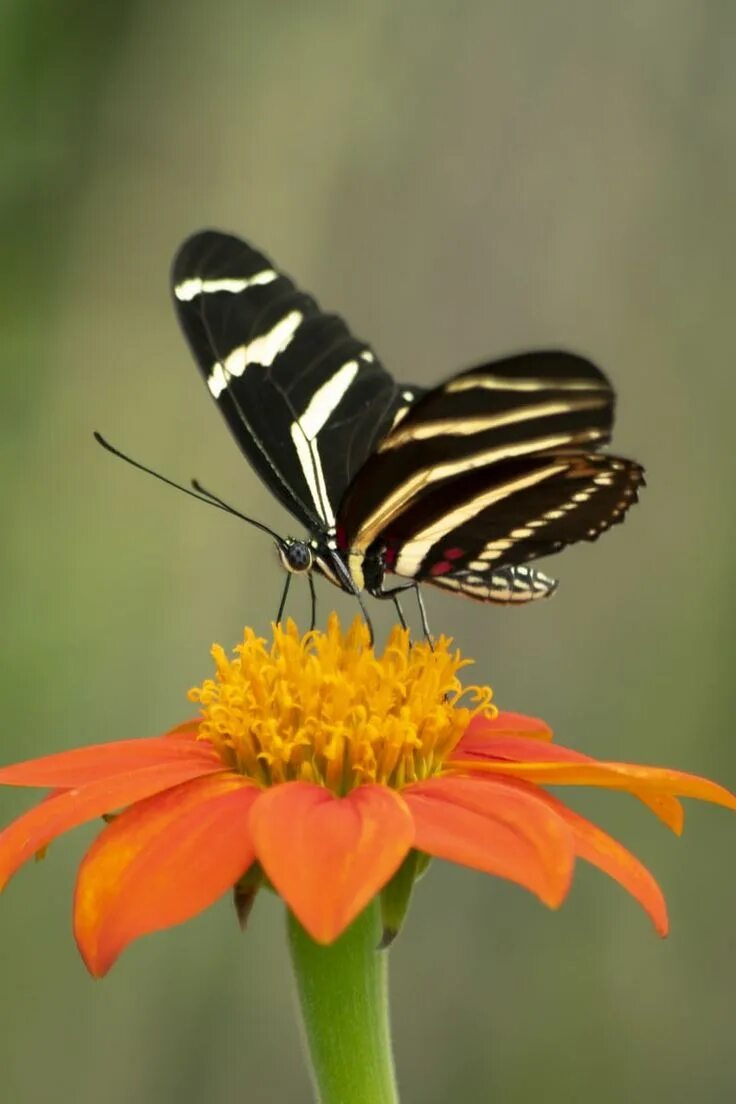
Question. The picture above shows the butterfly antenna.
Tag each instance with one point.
(215, 500)
(199, 493)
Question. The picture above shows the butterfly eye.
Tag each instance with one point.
(296, 556)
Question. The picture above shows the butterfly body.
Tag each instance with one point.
(459, 486)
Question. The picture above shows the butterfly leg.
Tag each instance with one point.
(393, 593)
(378, 592)
(340, 575)
(399, 611)
(423, 616)
(313, 597)
(366, 617)
(282, 603)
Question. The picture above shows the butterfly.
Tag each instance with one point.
(459, 486)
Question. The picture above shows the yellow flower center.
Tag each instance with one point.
(326, 708)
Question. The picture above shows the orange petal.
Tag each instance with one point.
(666, 808)
(520, 749)
(639, 780)
(600, 849)
(79, 766)
(69, 808)
(513, 748)
(328, 856)
(506, 724)
(161, 862)
(495, 825)
(186, 730)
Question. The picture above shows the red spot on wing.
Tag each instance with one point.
(389, 556)
(341, 538)
(440, 568)
(453, 553)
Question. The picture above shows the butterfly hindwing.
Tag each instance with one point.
(531, 507)
(493, 468)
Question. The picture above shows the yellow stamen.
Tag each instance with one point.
(325, 708)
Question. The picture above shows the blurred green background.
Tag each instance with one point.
(461, 181)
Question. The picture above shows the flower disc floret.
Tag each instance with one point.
(326, 708)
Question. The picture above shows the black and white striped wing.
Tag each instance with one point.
(496, 467)
(306, 401)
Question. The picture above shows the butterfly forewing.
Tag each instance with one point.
(306, 401)
(519, 400)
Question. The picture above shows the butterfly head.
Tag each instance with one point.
(296, 555)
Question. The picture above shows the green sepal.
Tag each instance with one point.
(396, 895)
(423, 861)
(245, 891)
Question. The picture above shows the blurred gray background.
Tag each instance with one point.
(461, 181)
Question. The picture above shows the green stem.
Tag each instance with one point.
(343, 996)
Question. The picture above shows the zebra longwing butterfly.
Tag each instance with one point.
(458, 486)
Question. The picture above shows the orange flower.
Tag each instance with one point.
(324, 765)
